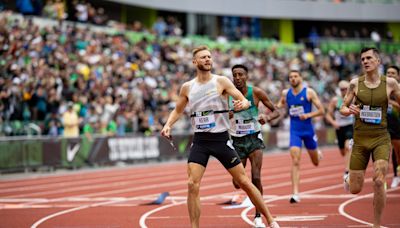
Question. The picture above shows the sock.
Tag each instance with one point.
(258, 214)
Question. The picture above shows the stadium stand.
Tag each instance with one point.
(131, 79)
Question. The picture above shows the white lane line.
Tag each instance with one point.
(223, 175)
(214, 175)
(36, 224)
(91, 181)
(168, 184)
(286, 197)
(142, 221)
(300, 218)
(344, 204)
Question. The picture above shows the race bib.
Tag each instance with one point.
(371, 115)
(204, 120)
(296, 110)
(244, 127)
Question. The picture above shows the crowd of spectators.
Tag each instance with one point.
(71, 80)
(80, 10)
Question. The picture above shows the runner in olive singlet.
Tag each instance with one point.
(370, 93)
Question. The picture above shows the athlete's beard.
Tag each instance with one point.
(204, 68)
(296, 85)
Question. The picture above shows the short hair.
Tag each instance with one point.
(240, 66)
(294, 71)
(365, 49)
(343, 84)
(198, 49)
(394, 67)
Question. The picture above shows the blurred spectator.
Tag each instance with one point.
(160, 27)
(100, 18)
(82, 11)
(91, 127)
(71, 121)
(25, 7)
(108, 128)
(53, 125)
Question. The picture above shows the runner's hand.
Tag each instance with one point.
(263, 119)
(166, 132)
(304, 116)
(354, 109)
(240, 105)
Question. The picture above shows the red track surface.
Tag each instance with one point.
(113, 197)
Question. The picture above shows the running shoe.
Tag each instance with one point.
(258, 222)
(345, 174)
(346, 182)
(294, 199)
(395, 182)
(320, 155)
(274, 225)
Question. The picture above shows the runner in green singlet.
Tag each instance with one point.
(245, 128)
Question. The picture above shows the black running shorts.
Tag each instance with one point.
(344, 133)
(215, 144)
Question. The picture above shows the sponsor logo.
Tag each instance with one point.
(233, 159)
(72, 151)
(133, 148)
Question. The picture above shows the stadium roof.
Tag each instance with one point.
(291, 9)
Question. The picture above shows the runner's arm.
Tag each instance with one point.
(263, 97)
(178, 110)
(347, 107)
(395, 89)
(281, 105)
(239, 101)
(329, 114)
(317, 103)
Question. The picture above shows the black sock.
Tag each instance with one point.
(257, 214)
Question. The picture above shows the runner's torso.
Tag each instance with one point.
(246, 121)
(373, 104)
(341, 119)
(299, 104)
(208, 108)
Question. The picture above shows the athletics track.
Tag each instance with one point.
(113, 197)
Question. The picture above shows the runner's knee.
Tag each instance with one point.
(295, 161)
(380, 170)
(243, 182)
(193, 186)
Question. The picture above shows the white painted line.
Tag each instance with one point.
(300, 218)
(344, 204)
(36, 224)
(286, 197)
(142, 221)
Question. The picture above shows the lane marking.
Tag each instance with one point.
(344, 204)
(300, 218)
(142, 221)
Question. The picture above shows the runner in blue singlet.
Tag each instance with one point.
(299, 100)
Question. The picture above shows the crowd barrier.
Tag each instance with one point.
(27, 154)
